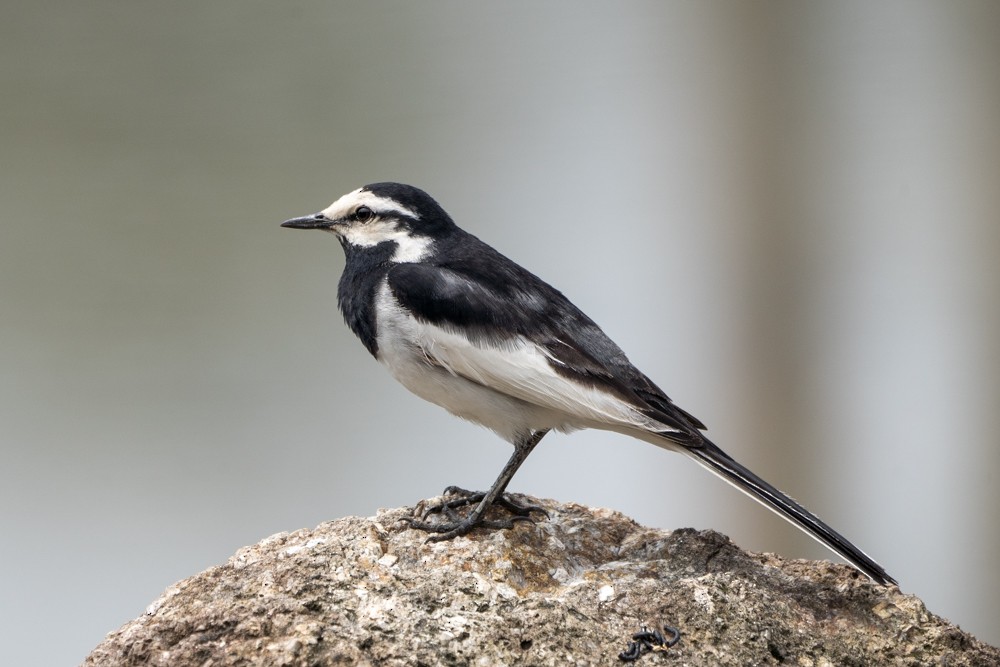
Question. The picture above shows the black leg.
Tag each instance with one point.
(456, 526)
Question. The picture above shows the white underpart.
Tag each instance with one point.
(409, 247)
(512, 390)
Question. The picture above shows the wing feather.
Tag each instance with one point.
(495, 323)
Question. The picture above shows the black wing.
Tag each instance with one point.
(473, 289)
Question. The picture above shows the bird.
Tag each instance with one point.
(464, 327)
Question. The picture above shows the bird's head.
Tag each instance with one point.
(383, 213)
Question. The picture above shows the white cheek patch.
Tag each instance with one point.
(409, 248)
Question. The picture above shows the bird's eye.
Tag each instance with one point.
(364, 214)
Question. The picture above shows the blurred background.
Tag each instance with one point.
(787, 214)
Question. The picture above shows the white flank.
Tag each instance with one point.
(510, 389)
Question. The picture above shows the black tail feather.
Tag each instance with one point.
(741, 477)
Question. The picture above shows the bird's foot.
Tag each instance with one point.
(453, 524)
(461, 497)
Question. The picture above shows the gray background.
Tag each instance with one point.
(787, 214)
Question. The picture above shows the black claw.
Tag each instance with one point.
(519, 509)
(442, 531)
(454, 525)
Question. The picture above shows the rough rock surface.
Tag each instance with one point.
(568, 590)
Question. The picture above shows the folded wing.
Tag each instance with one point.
(496, 324)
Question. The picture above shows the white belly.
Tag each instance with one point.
(401, 351)
(510, 387)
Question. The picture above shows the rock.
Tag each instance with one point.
(571, 589)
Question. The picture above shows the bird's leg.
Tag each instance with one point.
(456, 526)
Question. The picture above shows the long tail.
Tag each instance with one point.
(742, 478)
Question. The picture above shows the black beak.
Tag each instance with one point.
(315, 221)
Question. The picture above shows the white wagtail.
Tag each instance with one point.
(462, 326)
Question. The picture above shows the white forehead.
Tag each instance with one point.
(361, 197)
